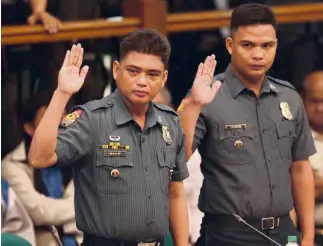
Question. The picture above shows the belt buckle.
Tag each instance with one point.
(273, 223)
(149, 244)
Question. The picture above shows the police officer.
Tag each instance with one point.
(127, 153)
(254, 139)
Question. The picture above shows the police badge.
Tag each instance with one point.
(166, 135)
(285, 110)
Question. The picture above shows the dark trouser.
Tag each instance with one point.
(90, 240)
(319, 239)
(231, 234)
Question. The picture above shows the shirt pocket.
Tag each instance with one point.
(286, 134)
(113, 173)
(166, 161)
(237, 146)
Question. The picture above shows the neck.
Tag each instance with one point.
(253, 84)
(138, 112)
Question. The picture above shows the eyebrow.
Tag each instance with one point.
(250, 42)
(149, 70)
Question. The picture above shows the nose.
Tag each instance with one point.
(257, 53)
(142, 80)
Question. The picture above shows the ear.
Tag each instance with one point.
(228, 44)
(29, 129)
(165, 76)
(115, 69)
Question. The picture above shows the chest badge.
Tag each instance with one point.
(285, 110)
(114, 148)
(166, 135)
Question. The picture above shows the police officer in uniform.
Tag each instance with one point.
(254, 139)
(127, 153)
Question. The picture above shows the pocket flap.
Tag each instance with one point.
(167, 157)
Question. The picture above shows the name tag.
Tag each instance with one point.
(236, 126)
(114, 153)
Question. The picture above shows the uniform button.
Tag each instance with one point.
(143, 139)
(146, 168)
(273, 187)
(150, 196)
(268, 158)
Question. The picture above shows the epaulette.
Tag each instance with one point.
(106, 102)
(164, 107)
(281, 82)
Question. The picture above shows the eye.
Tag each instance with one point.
(132, 72)
(153, 75)
(246, 45)
(266, 46)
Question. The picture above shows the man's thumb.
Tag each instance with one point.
(32, 20)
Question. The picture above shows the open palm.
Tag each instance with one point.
(202, 92)
(71, 77)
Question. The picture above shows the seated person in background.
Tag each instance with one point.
(16, 226)
(312, 95)
(47, 194)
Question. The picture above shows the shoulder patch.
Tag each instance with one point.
(71, 117)
(281, 82)
(164, 107)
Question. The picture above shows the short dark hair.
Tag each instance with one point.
(146, 41)
(34, 103)
(252, 14)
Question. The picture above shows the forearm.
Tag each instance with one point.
(188, 116)
(303, 194)
(38, 6)
(179, 220)
(43, 145)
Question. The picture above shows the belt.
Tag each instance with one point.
(91, 240)
(266, 223)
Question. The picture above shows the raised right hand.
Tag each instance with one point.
(71, 77)
(202, 91)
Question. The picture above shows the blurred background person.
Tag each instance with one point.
(16, 226)
(48, 193)
(312, 95)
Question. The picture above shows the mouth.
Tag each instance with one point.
(139, 93)
(257, 67)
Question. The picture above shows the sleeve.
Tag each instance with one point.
(303, 145)
(74, 137)
(200, 130)
(180, 171)
(17, 220)
(43, 210)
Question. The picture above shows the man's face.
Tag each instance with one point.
(252, 49)
(139, 77)
(313, 101)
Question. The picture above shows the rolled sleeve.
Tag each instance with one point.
(74, 141)
(303, 145)
(180, 171)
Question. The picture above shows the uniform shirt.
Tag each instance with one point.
(247, 146)
(317, 164)
(122, 193)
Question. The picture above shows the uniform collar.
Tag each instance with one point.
(236, 87)
(122, 114)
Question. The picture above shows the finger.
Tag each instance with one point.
(210, 66)
(205, 64)
(216, 87)
(58, 23)
(72, 56)
(199, 70)
(80, 58)
(84, 71)
(77, 53)
(66, 59)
